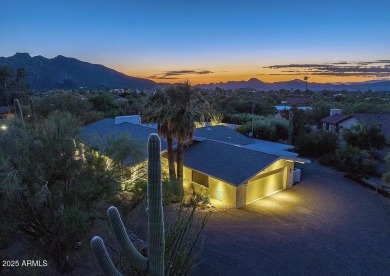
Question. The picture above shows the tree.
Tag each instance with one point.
(157, 110)
(51, 183)
(316, 144)
(103, 102)
(364, 137)
(176, 110)
(12, 87)
(189, 106)
(306, 78)
(268, 128)
(66, 102)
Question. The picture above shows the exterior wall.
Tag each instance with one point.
(190, 186)
(265, 185)
(348, 123)
(282, 169)
(217, 189)
(289, 165)
(164, 166)
(277, 176)
(222, 191)
(187, 179)
(332, 128)
(241, 195)
(325, 126)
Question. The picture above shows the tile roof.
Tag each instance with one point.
(229, 163)
(335, 119)
(381, 120)
(223, 134)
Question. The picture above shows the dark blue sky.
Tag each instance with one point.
(204, 40)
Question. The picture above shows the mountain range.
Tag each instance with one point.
(70, 73)
(258, 85)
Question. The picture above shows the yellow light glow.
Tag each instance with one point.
(220, 191)
(3, 127)
(286, 197)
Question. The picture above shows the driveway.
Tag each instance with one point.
(324, 225)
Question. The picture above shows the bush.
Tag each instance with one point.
(73, 104)
(316, 144)
(266, 128)
(364, 137)
(242, 118)
(50, 184)
(355, 161)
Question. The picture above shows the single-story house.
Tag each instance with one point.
(220, 162)
(338, 121)
(375, 119)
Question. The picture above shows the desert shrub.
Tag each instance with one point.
(181, 240)
(51, 184)
(266, 128)
(355, 161)
(242, 118)
(76, 105)
(316, 144)
(216, 119)
(364, 137)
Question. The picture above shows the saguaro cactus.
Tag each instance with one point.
(154, 263)
(18, 110)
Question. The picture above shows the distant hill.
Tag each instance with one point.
(259, 85)
(70, 73)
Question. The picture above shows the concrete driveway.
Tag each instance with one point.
(325, 225)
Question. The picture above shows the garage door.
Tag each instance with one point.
(266, 184)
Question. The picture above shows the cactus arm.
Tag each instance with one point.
(156, 239)
(103, 258)
(127, 247)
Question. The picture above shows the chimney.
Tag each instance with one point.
(335, 111)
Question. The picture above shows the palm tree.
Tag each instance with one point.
(306, 78)
(176, 110)
(189, 107)
(158, 110)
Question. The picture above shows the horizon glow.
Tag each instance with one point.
(206, 41)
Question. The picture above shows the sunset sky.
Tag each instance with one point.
(208, 41)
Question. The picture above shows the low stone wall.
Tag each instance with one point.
(383, 190)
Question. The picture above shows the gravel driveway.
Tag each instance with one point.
(324, 225)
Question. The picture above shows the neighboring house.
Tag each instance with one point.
(220, 162)
(282, 110)
(375, 119)
(338, 121)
